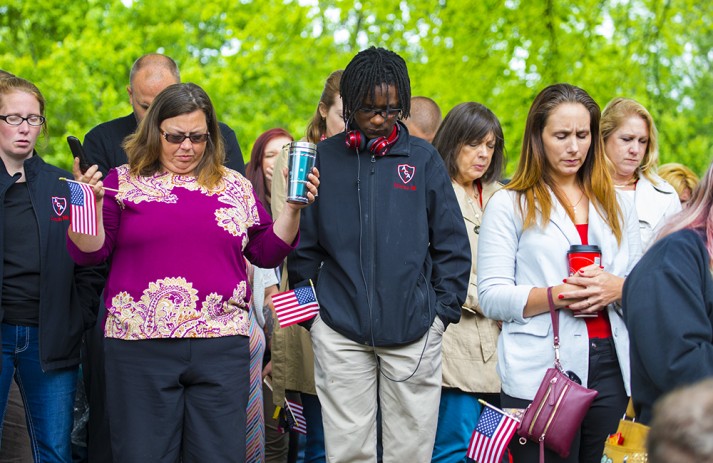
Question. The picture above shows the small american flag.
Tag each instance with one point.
(294, 411)
(491, 436)
(295, 306)
(84, 212)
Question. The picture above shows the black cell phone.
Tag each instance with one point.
(78, 152)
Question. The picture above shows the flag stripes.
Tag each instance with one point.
(83, 207)
(491, 436)
(295, 409)
(295, 306)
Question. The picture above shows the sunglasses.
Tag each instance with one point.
(178, 138)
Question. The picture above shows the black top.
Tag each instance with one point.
(103, 144)
(668, 308)
(69, 294)
(21, 259)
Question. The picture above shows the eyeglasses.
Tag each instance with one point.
(385, 113)
(33, 119)
(177, 138)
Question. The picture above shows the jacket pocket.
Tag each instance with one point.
(539, 325)
(488, 333)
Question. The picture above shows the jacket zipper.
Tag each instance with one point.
(39, 235)
(372, 236)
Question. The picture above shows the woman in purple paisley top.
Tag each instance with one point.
(177, 233)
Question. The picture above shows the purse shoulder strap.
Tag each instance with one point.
(555, 328)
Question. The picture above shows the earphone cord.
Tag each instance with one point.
(366, 291)
(420, 357)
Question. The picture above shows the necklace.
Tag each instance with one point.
(476, 227)
(574, 206)
(631, 181)
(477, 191)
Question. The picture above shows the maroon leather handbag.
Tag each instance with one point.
(556, 413)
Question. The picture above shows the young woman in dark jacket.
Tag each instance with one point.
(46, 300)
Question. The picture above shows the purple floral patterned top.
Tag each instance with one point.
(178, 255)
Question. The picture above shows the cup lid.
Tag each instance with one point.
(584, 248)
(302, 144)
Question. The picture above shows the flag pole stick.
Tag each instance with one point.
(497, 409)
(85, 183)
(314, 291)
(289, 409)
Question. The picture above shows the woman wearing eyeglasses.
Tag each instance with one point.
(178, 232)
(46, 299)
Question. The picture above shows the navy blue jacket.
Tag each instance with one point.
(387, 238)
(668, 307)
(69, 294)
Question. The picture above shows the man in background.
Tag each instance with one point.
(149, 75)
(425, 118)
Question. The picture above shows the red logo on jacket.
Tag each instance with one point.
(406, 172)
(59, 205)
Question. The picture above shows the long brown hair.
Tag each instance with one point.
(533, 178)
(318, 125)
(143, 148)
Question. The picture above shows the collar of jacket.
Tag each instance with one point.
(650, 207)
(32, 165)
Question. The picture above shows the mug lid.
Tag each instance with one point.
(302, 144)
(584, 248)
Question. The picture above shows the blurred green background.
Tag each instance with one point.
(264, 62)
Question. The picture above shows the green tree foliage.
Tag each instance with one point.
(264, 63)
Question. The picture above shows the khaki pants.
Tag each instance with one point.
(409, 393)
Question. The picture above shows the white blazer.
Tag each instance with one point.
(511, 262)
(654, 204)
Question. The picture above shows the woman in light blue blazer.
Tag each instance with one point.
(560, 195)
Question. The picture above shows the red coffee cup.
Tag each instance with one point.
(581, 255)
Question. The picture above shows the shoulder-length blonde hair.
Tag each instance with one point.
(143, 148)
(533, 175)
(615, 113)
(678, 176)
(697, 215)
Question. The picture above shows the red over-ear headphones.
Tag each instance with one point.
(379, 146)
